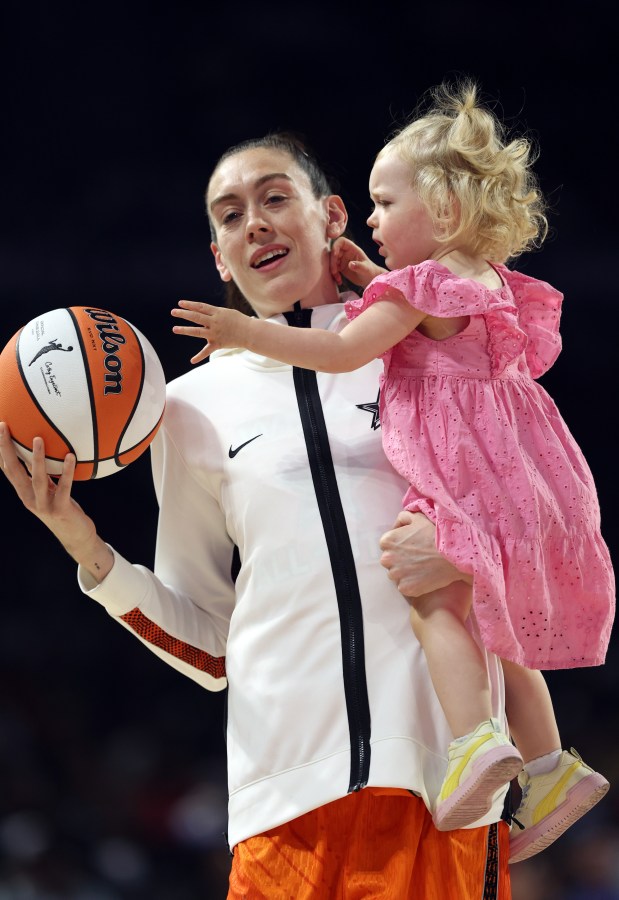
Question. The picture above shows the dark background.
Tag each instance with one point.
(112, 781)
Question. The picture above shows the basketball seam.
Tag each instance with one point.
(91, 394)
(137, 401)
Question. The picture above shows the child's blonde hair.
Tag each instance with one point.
(479, 188)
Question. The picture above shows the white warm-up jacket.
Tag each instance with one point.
(276, 476)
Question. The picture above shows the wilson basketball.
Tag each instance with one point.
(87, 382)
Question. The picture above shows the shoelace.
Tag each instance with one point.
(512, 817)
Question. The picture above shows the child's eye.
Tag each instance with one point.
(380, 204)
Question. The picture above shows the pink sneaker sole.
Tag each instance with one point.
(473, 799)
(579, 800)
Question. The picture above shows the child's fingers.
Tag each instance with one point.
(198, 306)
(204, 353)
(343, 255)
(335, 262)
(194, 311)
(200, 314)
(219, 327)
(190, 330)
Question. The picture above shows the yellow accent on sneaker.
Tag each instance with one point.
(478, 766)
(452, 780)
(552, 802)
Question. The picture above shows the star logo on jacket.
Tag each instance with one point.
(372, 408)
(232, 453)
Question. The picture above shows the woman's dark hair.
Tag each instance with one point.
(295, 147)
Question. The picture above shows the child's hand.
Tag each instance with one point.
(349, 260)
(217, 326)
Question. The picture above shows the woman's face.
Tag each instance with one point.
(272, 235)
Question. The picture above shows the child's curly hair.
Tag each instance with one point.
(478, 187)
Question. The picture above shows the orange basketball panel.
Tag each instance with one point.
(19, 410)
(84, 471)
(115, 364)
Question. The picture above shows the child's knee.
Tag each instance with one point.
(454, 598)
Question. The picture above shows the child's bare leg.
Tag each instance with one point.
(557, 786)
(480, 760)
(456, 664)
(530, 712)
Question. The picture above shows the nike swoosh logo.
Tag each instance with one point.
(232, 453)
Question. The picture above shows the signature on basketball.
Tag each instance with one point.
(53, 345)
(50, 379)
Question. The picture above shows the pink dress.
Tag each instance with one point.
(491, 462)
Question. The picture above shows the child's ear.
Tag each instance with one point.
(451, 212)
(222, 268)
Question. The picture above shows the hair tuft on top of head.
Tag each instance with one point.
(477, 182)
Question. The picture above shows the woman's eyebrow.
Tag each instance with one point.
(223, 198)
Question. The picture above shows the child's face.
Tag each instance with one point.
(401, 224)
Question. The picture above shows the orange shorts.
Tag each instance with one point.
(377, 843)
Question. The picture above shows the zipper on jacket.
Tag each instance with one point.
(342, 561)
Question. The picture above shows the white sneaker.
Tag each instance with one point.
(551, 803)
(477, 767)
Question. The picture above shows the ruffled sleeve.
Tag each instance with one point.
(539, 315)
(428, 287)
(435, 290)
(522, 316)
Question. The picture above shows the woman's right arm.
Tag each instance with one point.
(51, 502)
(182, 613)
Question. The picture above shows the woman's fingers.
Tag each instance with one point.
(12, 466)
(39, 493)
(65, 482)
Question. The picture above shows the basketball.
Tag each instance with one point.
(86, 381)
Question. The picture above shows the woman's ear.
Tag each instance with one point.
(224, 273)
(337, 217)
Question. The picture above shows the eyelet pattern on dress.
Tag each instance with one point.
(490, 460)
